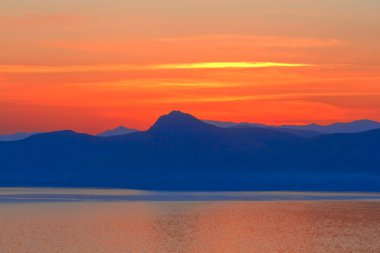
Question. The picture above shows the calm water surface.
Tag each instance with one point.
(113, 221)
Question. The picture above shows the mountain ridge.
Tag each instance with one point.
(180, 152)
(120, 130)
(307, 130)
(313, 129)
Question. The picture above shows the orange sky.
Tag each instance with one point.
(92, 65)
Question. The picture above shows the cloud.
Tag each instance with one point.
(226, 65)
(223, 42)
(157, 83)
(127, 67)
(262, 97)
(257, 41)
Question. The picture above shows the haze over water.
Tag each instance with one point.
(70, 220)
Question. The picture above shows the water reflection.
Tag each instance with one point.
(190, 226)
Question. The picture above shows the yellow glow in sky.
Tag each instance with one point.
(225, 65)
(124, 67)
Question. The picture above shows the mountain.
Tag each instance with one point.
(349, 127)
(179, 122)
(226, 124)
(121, 130)
(309, 130)
(296, 131)
(180, 152)
(16, 136)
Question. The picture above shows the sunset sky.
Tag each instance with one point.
(91, 65)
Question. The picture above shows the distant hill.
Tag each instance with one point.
(180, 152)
(311, 129)
(226, 124)
(296, 131)
(348, 127)
(121, 130)
(16, 136)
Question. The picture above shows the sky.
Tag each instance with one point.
(91, 65)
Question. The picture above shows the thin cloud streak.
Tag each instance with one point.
(152, 84)
(126, 67)
(285, 96)
(226, 65)
(257, 41)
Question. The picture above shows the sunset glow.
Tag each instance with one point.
(93, 66)
(226, 65)
(121, 67)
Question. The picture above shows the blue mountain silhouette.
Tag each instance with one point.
(310, 129)
(180, 152)
(16, 136)
(120, 130)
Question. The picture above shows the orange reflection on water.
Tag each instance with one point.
(221, 226)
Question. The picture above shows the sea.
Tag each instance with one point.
(55, 220)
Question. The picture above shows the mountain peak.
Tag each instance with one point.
(179, 121)
(120, 130)
(177, 112)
